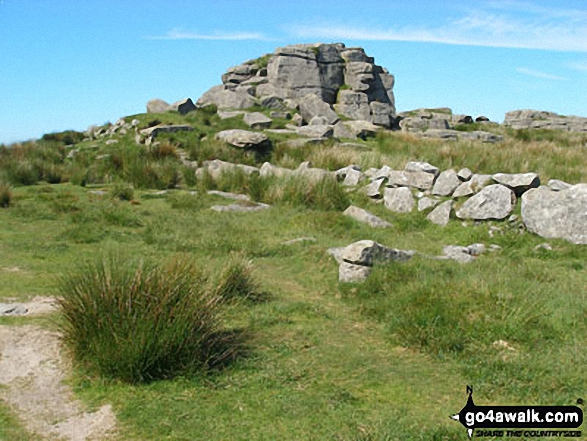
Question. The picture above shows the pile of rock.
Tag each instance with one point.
(356, 260)
(319, 80)
(536, 119)
(440, 123)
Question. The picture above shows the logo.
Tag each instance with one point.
(516, 421)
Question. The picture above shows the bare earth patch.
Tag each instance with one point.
(32, 371)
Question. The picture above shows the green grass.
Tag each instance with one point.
(387, 360)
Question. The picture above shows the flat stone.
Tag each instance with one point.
(257, 120)
(226, 195)
(366, 252)
(414, 179)
(365, 217)
(12, 309)
(240, 208)
(316, 131)
(556, 185)
(518, 183)
(243, 139)
(421, 167)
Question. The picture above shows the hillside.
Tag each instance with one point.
(463, 261)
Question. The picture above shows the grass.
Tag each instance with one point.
(317, 360)
(139, 321)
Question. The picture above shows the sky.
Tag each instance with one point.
(68, 64)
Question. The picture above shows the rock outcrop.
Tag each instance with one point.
(316, 78)
(537, 119)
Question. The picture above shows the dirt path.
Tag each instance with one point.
(32, 371)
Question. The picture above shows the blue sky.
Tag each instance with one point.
(67, 64)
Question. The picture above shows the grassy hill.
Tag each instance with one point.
(385, 360)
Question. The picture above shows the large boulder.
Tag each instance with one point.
(493, 202)
(557, 214)
(157, 106)
(243, 139)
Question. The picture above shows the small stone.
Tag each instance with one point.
(441, 214)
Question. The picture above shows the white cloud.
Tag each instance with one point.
(497, 24)
(538, 74)
(581, 66)
(177, 34)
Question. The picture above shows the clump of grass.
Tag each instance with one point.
(122, 191)
(139, 321)
(324, 194)
(235, 281)
(5, 195)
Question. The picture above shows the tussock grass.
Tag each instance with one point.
(138, 320)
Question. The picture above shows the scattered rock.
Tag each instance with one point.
(556, 185)
(226, 195)
(543, 246)
(243, 139)
(472, 186)
(184, 106)
(226, 114)
(441, 214)
(413, 179)
(316, 131)
(425, 203)
(367, 252)
(421, 167)
(493, 202)
(519, 183)
(446, 183)
(257, 121)
(399, 199)
(557, 214)
(241, 208)
(465, 174)
(349, 273)
(157, 106)
(365, 217)
(373, 190)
